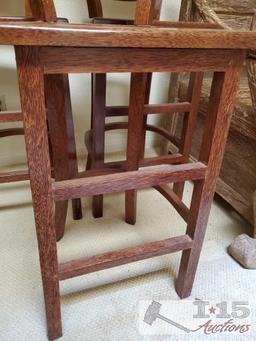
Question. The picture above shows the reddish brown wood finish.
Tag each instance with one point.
(31, 70)
(44, 10)
(31, 82)
(94, 8)
(100, 59)
(118, 182)
(220, 111)
(87, 35)
(151, 11)
(59, 116)
(14, 176)
(11, 116)
(111, 259)
(189, 122)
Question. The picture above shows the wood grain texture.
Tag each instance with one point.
(94, 8)
(14, 176)
(135, 137)
(221, 106)
(145, 177)
(112, 259)
(11, 116)
(31, 82)
(97, 149)
(63, 149)
(89, 35)
(237, 179)
(168, 108)
(81, 60)
(42, 10)
(189, 122)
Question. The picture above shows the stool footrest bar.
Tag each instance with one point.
(123, 181)
(111, 259)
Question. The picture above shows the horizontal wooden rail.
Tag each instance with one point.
(166, 108)
(112, 111)
(175, 200)
(11, 132)
(13, 176)
(117, 110)
(133, 254)
(96, 35)
(102, 60)
(16, 18)
(186, 24)
(149, 161)
(149, 127)
(10, 116)
(120, 182)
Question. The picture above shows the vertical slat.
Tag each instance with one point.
(99, 83)
(62, 142)
(31, 83)
(217, 124)
(189, 122)
(42, 10)
(28, 12)
(146, 11)
(135, 137)
(94, 8)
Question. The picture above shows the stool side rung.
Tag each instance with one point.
(168, 108)
(11, 116)
(115, 258)
(123, 181)
(13, 176)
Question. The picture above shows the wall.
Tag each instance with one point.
(12, 151)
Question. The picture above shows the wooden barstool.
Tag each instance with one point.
(49, 49)
(95, 138)
(60, 122)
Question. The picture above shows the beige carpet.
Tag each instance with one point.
(104, 305)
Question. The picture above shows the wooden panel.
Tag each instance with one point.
(100, 60)
(122, 36)
(133, 254)
(146, 177)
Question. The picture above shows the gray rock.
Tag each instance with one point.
(243, 250)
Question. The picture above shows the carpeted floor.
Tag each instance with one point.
(104, 305)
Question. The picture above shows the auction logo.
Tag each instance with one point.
(199, 316)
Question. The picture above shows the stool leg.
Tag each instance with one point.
(98, 133)
(73, 164)
(62, 138)
(31, 82)
(147, 98)
(217, 124)
(136, 136)
(194, 90)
